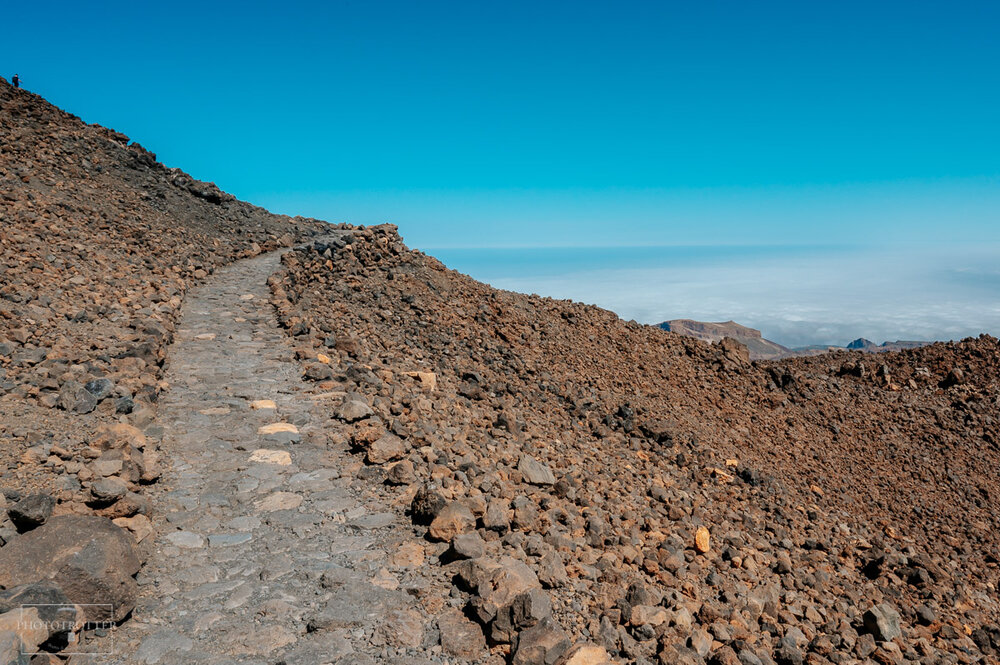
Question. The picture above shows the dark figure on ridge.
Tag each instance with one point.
(16, 81)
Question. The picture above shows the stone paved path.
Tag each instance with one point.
(263, 551)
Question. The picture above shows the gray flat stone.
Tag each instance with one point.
(156, 646)
(186, 539)
(373, 521)
(227, 539)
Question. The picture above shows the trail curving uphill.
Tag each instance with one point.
(263, 550)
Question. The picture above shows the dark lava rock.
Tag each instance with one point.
(124, 405)
(86, 556)
(76, 398)
(426, 505)
(542, 644)
(100, 388)
(31, 511)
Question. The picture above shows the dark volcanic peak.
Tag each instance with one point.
(860, 344)
(679, 501)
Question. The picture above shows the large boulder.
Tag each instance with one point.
(459, 636)
(386, 448)
(527, 610)
(453, 519)
(86, 556)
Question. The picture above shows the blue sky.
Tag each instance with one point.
(551, 124)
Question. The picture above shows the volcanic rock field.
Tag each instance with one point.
(228, 436)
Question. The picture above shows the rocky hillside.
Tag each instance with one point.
(765, 349)
(98, 244)
(652, 498)
(588, 490)
(862, 344)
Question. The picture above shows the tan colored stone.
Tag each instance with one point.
(275, 428)
(586, 654)
(263, 404)
(459, 636)
(403, 628)
(120, 435)
(454, 518)
(386, 448)
(263, 639)
(138, 525)
(647, 615)
(265, 456)
(27, 624)
(279, 501)
(702, 540)
(106, 467)
(428, 380)
(497, 583)
(215, 411)
(408, 555)
(383, 578)
(150, 467)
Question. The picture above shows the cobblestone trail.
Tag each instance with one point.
(263, 551)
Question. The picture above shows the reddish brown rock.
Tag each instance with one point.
(459, 636)
(453, 519)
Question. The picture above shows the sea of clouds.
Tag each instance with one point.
(795, 296)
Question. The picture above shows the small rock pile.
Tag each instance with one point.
(596, 490)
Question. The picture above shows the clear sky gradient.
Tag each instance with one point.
(517, 124)
(820, 170)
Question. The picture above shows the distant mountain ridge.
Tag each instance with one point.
(760, 348)
(862, 344)
(764, 349)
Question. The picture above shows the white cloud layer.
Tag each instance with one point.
(795, 297)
